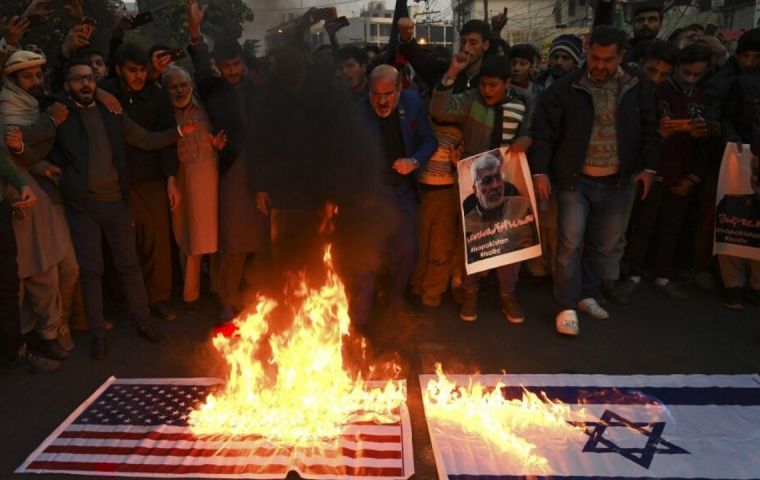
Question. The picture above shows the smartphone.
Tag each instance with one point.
(326, 14)
(89, 26)
(141, 19)
(710, 30)
(175, 53)
(678, 125)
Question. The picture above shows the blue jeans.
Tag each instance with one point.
(591, 220)
(111, 219)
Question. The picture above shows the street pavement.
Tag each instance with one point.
(654, 335)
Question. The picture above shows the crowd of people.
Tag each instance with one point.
(118, 166)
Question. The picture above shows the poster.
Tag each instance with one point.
(737, 213)
(498, 209)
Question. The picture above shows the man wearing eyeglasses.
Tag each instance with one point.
(90, 151)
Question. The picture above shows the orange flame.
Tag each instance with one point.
(305, 394)
(511, 425)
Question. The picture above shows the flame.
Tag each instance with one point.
(301, 394)
(508, 424)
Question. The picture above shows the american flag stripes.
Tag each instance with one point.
(138, 428)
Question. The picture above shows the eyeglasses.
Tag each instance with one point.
(489, 179)
(82, 79)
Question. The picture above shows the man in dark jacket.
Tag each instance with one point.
(90, 150)
(229, 100)
(594, 131)
(151, 173)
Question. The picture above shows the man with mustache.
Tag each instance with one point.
(90, 151)
(564, 57)
(595, 136)
(647, 21)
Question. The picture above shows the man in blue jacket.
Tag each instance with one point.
(595, 135)
(398, 123)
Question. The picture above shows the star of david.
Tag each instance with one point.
(640, 456)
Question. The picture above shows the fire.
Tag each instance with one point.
(511, 425)
(303, 394)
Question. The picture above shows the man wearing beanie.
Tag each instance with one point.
(564, 57)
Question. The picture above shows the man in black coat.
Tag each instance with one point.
(594, 132)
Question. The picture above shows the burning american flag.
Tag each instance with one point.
(139, 427)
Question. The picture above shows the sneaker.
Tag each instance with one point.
(704, 281)
(40, 364)
(672, 291)
(52, 349)
(149, 333)
(469, 310)
(510, 306)
(64, 337)
(735, 298)
(567, 322)
(163, 311)
(591, 307)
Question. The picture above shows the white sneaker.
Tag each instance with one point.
(591, 307)
(567, 322)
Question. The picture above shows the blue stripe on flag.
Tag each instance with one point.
(642, 396)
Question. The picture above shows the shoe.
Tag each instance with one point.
(38, 363)
(510, 307)
(162, 311)
(620, 294)
(98, 348)
(753, 297)
(735, 298)
(469, 310)
(52, 349)
(672, 291)
(192, 308)
(567, 322)
(149, 333)
(64, 337)
(704, 281)
(591, 307)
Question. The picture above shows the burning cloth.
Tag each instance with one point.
(139, 428)
(594, 426)
(498, 210)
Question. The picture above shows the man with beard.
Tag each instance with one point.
(152, 174)
(195, 220)
(564, 57)
(647, 21)
(229, 100)
(44, 247)
(90, 151)
(594, 131)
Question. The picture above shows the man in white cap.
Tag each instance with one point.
(44, 246)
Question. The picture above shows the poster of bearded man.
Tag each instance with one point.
(498, 208)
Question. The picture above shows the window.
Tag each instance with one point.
(385, 29)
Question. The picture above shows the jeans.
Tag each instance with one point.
(87, 226)
(591, 220)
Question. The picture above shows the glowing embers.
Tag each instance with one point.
(299, 392)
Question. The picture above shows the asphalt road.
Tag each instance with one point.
(653, 336)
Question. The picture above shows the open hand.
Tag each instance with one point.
(14, 29)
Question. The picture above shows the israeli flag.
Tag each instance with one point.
(636, 427)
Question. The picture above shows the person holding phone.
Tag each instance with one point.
(683, 162)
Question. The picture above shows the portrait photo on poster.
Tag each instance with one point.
(737, 209)
(498, 209)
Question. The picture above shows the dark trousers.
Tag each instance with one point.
(111, 219)
(10, 321)
(399, 250)
(660, 216)
(149, 208)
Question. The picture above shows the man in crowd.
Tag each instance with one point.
(152, 174)
(564, 57)
(593, 132)
(352, 69)
(523, 57)
(229, 98)
(473, 42)
(658, 61)
(398, 122)
(90, 149)
(647, 21)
